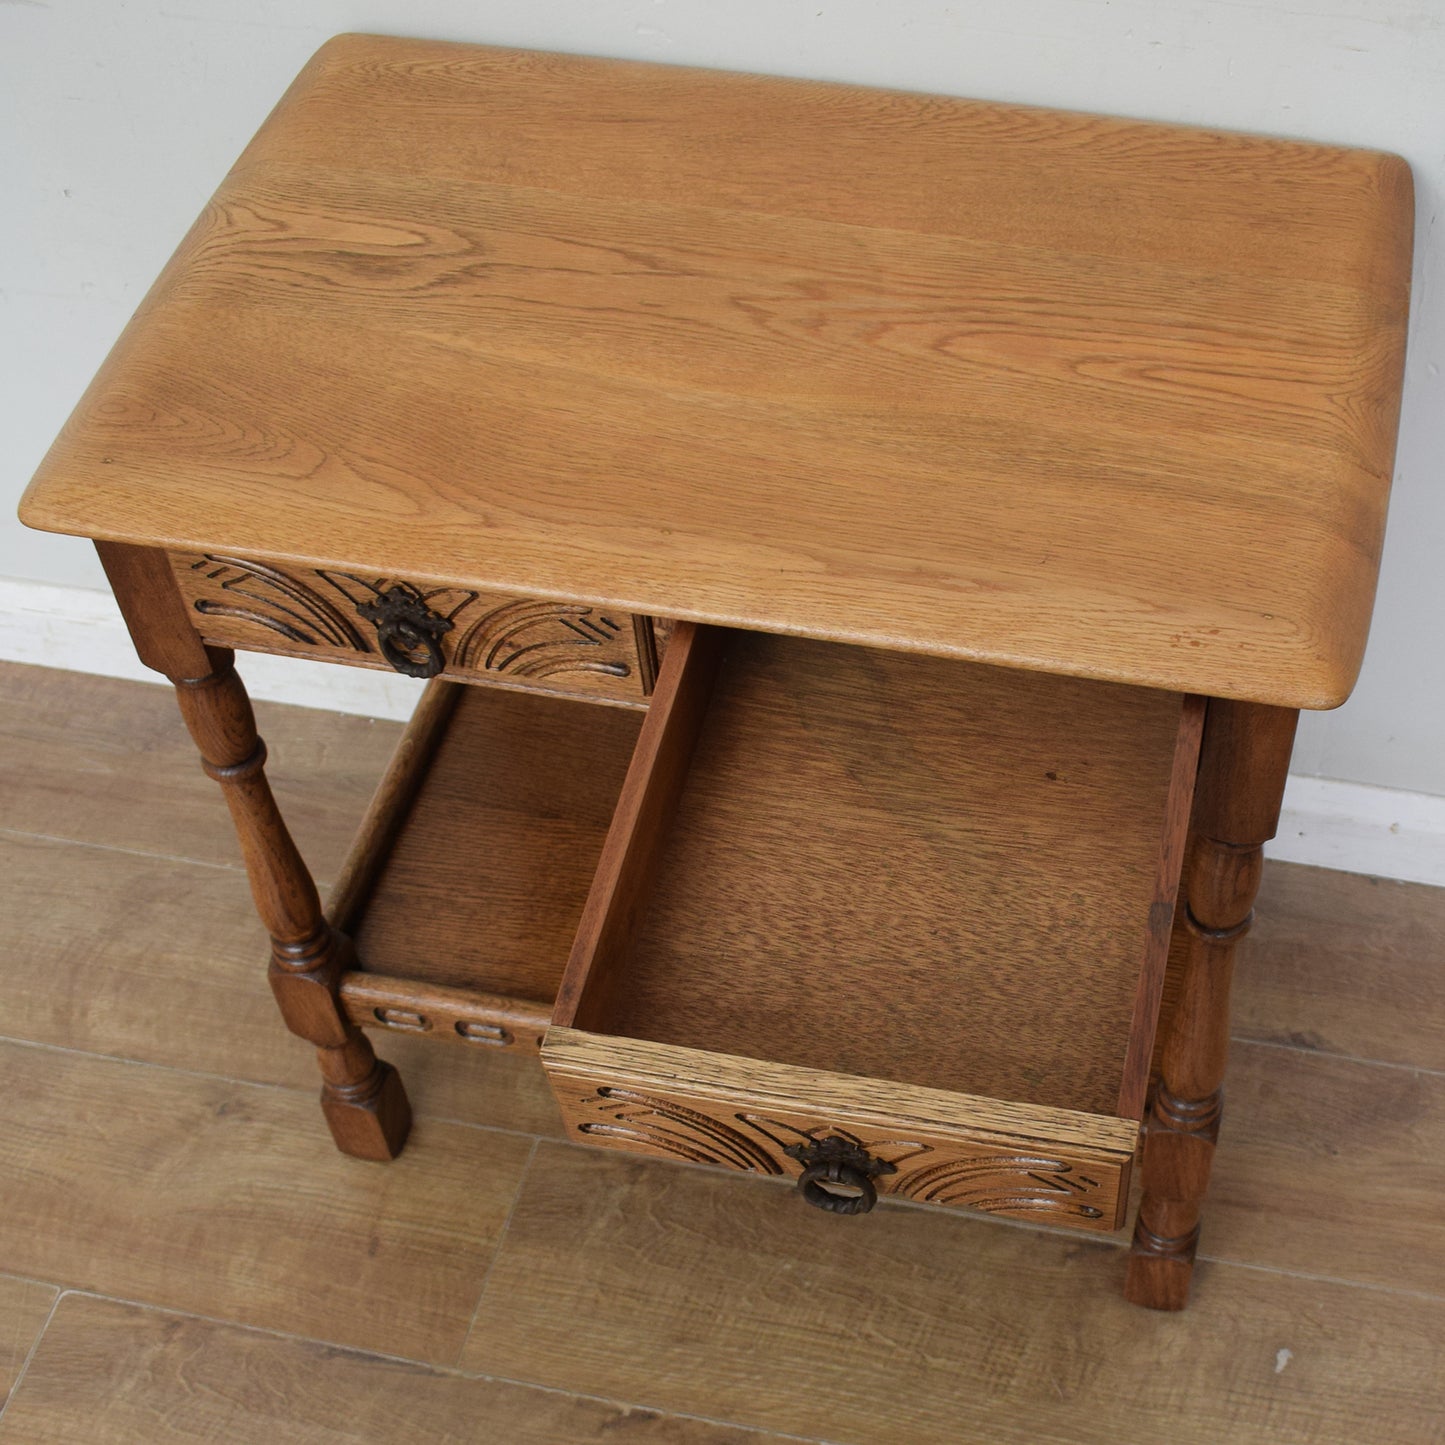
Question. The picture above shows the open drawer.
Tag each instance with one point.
(888, 923)
(465, 884)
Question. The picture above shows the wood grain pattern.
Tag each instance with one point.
(155, 960)
(717, 1076)
(638, 834)
(187, 1192)
(1045, 1164)
(24, 1308)
(943, 1325)
(1329, 1167)
(925, 1326)
(486, 879)
(1341, 963)
(731, 348)
(116, 1374)
(143, 791)
(1173, 847)
(390, 804)
(362, 1098)
(514, 641)
(447, 1015)
(901, 868)
(151, 605)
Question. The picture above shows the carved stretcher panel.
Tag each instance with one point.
(417, 628)
(1058, 1166)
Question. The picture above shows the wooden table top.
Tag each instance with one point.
(1048, 390)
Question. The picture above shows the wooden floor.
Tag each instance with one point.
(184, 1258)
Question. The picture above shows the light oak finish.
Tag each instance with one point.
(887, 878)
(1173, 847)
(716, 1076)
(948, 1149)
(895, 867)
(638, 833)
(117, 1374)
(562, 647)
(449, 1015)
(1049, 390)
(391, 803)
(362, 1097)
(480, 885)
(487, 341)
(206, 1195)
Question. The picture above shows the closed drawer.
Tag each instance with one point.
(419, 629)
(867, 914)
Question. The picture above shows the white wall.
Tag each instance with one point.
(118, 117)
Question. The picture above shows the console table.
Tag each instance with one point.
(890, 538)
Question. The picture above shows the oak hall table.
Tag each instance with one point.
(892, 536)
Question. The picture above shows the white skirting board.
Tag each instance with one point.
(79, 628)
(1331, 824)
(1359, 829)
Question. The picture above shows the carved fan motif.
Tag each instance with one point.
(421, 630)
(671, 1128)
(953, 1173)
(541, 639)
(264, 595)
(1007, 1184)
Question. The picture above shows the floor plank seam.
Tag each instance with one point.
(12, 1275)
(1427, 1296)
(296, 1089)
(1119, 1240)
(451, 1371)
(497, 1249)
(30, 1353)
(1287, 1048)
(323, 885)
(1287, 1012)
(117, 848)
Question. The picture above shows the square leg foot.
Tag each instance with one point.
(370, 1122)
(1160, 1271)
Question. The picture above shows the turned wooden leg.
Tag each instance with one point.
(361, 1097)
(1242, 769)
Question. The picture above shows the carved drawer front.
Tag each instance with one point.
(417, 628)
(938, 1148)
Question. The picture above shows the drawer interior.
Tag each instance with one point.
(472, 870)
(894, 867)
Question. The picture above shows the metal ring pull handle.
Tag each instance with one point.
(838, 1174)
(814, 1183)
(408, 632)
